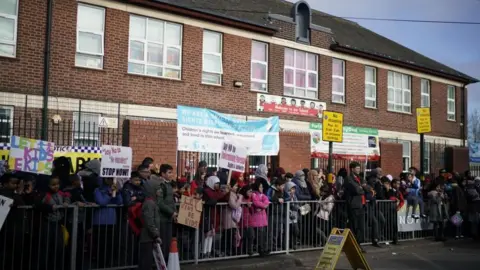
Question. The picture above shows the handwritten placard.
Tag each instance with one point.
(30, 155)
(116, 161)
(233, 157)
(4, 209)
(190, 212)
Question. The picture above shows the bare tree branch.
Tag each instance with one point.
(474, 126)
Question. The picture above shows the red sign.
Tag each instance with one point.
(289, 105)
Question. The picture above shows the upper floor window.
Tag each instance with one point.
(212, 69)
(259, 66)
(399, 92)
(155, 48)
(90, 36)
(8, 27)
(300, 74)
(302, 16)
(338, 81)
(451, 103)
(425, 93)
(370, 87)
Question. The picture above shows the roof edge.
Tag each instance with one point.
(466, 80)
(204, 15)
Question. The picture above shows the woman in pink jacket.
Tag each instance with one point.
(258, 218)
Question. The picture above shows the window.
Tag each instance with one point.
(302, 20)
(155, 48)
(406, 154)
(210, 158)
(6, 123)
(426, 157)
(212, 58)
(370, 87)
(451, 103)
(259, 66)
(90, 32)
(300, 74)
(399, 93)
(8, 27)
(338, 81)
(85, 129)
(425, 89)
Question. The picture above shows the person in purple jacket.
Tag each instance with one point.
(104, 221)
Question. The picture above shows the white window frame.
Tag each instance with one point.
(102, 34)
(403, 89)
(307, 72)
(426, 157)
(425, 93)
(451, 115)
(215, 54)
(165, 46)
(342, 94)
(265, 63)
(11, 109)
(408, 164)
(83, 136)
(15, 29)
(374, 84)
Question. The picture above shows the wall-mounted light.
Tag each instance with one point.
(237, 84)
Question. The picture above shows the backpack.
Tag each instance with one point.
(135, 219)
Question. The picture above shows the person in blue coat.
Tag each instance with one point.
(104, 221)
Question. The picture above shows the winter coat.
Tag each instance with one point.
(151, 221)
(258, 216)
(277, 209)
(48, 203)
(106, 215)
(77, 197)
(166, 201)
(325, 207)
(437, 207)
(211, 212)
(354, 193)
(234, 202)
(129, 191)
(294, 204)
(458, 202)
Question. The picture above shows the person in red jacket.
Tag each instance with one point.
(394, 194)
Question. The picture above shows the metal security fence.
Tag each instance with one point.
(95, 237)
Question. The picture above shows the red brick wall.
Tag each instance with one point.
(391, 158)
(294, 152)
(457, 159)
(113, 83)
(157, 140)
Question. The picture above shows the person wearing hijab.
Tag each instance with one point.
(261, 175)
(303, 190)
(314, 181)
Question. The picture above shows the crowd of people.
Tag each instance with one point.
(242, 214)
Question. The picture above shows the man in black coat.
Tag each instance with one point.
(356, 202)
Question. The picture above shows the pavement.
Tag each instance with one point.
(409, 255)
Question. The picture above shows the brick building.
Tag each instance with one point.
(136, 60)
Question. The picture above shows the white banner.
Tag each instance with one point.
(204, 130)
(4, 209)
(116, 161)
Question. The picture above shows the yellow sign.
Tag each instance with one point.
(332, 128)
(424, 123)
(338, 241)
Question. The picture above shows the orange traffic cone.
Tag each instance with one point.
(173, 260)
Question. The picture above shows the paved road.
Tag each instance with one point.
(421, 255)
(451, 256)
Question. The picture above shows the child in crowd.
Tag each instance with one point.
(291, 188)
(288, 177)
(326, 204)
(247, 209)
(231, 216)
(277, 196)
(393, 193)
(437, 205)
(258, 219)
(52, 234)
(133, 190)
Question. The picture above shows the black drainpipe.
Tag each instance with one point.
(462, 117)
(46, 70)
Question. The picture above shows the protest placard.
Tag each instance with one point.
(190, 212)
(30, 155)
(233, 157)
(4, 209)
(116, 161)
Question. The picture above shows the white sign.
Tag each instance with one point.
(4, 209)
(107, 122)
(116, 161)
(204, 130)
(233, 157)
